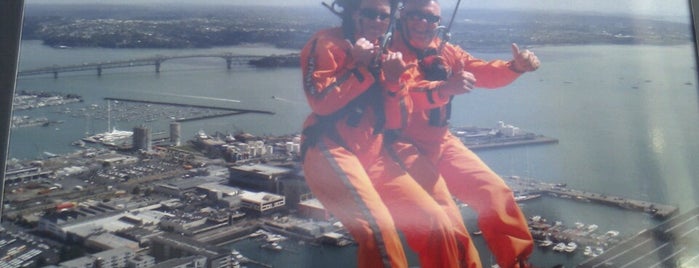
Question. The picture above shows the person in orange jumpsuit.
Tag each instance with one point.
(445, 70)
(345, 163)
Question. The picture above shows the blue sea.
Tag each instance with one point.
(626, 116)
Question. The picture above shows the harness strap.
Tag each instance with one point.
(433, 72)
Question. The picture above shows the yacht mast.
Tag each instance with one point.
(109, 116)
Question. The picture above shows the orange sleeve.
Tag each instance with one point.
(425, 94)
(489, 74)
(330, 79)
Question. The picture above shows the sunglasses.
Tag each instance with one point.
(416, 15)
(373, 14)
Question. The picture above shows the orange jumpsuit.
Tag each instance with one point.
(355, 178)
(469, 179)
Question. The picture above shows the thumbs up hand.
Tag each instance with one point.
(523, 60)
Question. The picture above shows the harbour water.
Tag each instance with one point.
(626, 118)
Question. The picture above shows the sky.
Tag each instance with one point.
(640, 7)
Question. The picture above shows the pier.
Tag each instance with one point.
(530, 186)
(502, 135)
(513, 142)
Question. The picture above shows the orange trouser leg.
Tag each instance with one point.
(338, 179)
(499, 217)
(424, 172)
(427, 228)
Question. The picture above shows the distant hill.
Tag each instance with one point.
(191, 26)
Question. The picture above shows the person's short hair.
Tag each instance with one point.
(348, 5)
(418, 2)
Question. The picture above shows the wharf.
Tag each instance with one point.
(529, 186)
(502, 135)
(511, 143)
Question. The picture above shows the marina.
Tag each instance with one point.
(27, 100)
(568, 239)
(27, 121)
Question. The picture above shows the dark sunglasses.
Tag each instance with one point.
(373, 14)
(416, 15)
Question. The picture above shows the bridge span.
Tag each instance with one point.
(156, 61)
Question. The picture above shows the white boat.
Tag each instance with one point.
(522, 198)
(272, 246)
(110, 138)
(546, 243)
(571, 247)
(592, 227)
(273, 238)
(559, 247)
(588, 251)
(257, 233)
(612, 233)
(599, 251)
(236, 255)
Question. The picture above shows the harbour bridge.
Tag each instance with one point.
(156, 61)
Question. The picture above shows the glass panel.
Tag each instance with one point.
(171, 129)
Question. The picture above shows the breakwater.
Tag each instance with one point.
(559, 190)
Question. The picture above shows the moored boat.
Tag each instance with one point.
(559, 247)
(546, 243)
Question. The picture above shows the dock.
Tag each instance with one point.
(558, 190)
(510, 143)
(502, 135)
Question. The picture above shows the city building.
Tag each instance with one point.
(184, 262)
(262, 203)
(113, 258)
(258, 177)
(106, 241)
(140, 261)
(222, 195)
(25, 174)
(92, 218)
(168, 246)
(313, 209)
(142, 139)
(180, 187)
(175, 130)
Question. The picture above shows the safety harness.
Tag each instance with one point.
(353, 111)
(432, 65)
